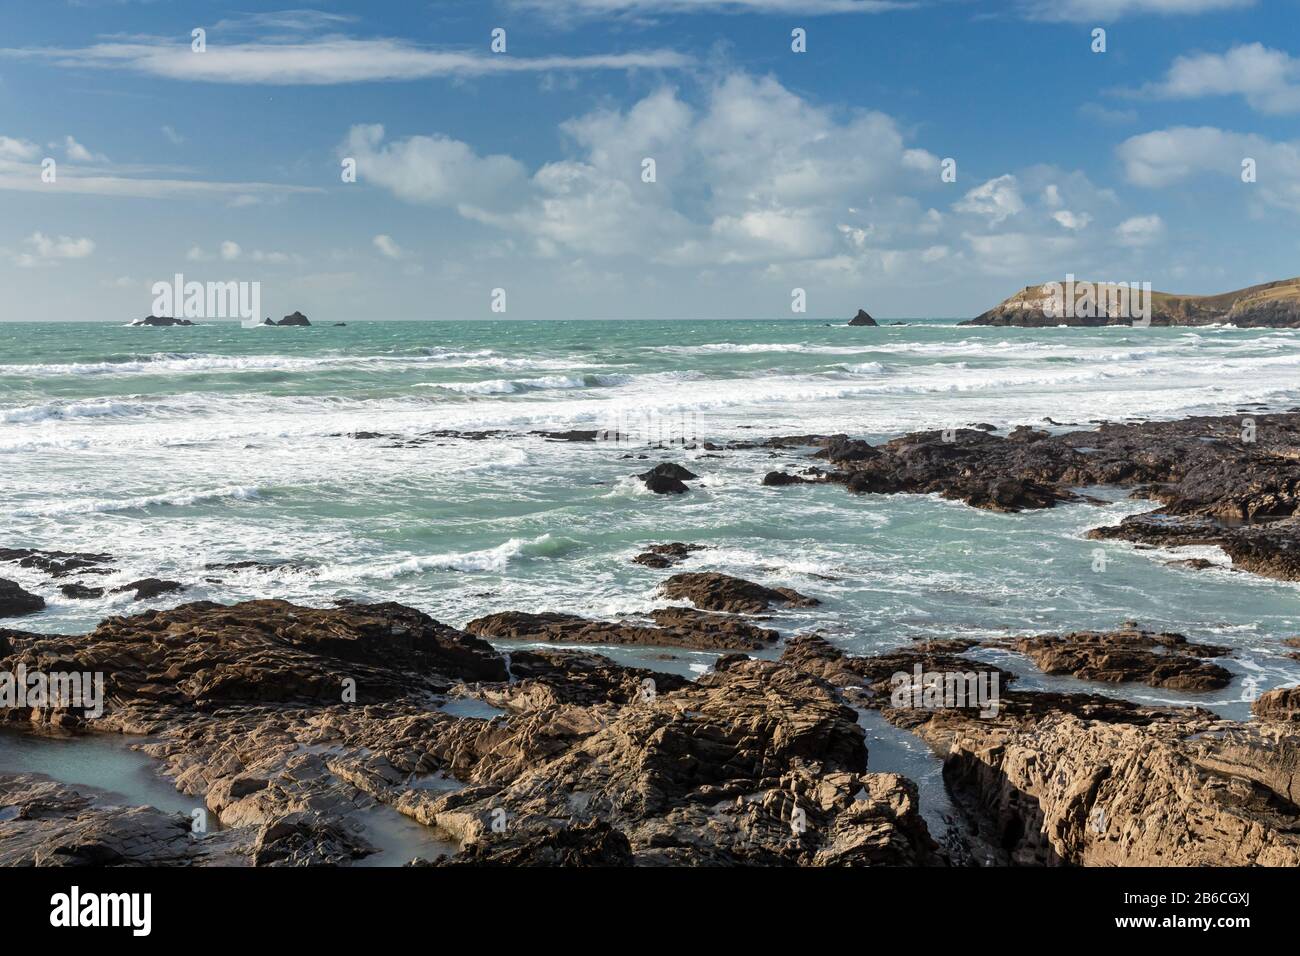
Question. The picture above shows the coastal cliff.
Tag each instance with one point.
(1271, 305)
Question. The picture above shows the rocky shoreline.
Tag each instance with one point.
(514, 743)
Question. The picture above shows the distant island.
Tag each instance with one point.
(1075, 302)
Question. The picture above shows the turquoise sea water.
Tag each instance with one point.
(177, 448)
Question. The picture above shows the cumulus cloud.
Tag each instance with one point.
(997, 199)
(1269, 80)
(1174, 156)
(17, 149)
(47, 250)
(1140, 231)
(230, 251)
(753, 173)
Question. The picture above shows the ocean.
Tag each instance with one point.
(174, 449)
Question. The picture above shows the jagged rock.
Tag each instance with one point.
(16, 601)
(294, 318)
(44, 823)
(80, 591)
(148, 588)
(58, 564)
(1156, 659)
(862, 319)
(304, 838)
(203, 654)
(593, 843)
(666, 555)
(1227, 481)
(1281, 703)
(678, 627)
(713, 591)
(667, 478)
(158, 321)
(1082, 779)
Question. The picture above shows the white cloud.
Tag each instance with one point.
(17, 149)
(80, 154)
(1071, 220)
(1169, 157)
(327, 61)
(47, 250)
(387, 246)
(754, 173)
(230, 251)
(1268, 79)
(998, 199)
(431, 169)
(1140, 230)
(196, 254)
(173, 137)
(1108, 10)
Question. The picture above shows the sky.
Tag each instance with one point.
(916, 159)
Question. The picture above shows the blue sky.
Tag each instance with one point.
(522, 170)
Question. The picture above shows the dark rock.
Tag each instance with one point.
(161, 321)
(862, 319)
(677, 627)
(295, 318)
(59, 563)
(666, 555)
(713, 591)
(15, 600)
(148, 588)
(1156, 659)
(592, 843)
(80, 591)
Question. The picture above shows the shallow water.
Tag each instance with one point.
(178, 448)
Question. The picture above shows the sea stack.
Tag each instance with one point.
(297, 318)
(862, 319)
(160, 321)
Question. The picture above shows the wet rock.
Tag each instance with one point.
(667, 478)
(666, 555)
(204, 654)
(16, 601)
(1155, 659)
(80, 591)
(862, 319)
(161, 321)
(712, 591)
(592, 843)
(148, 588)
(294, 318)
(44, 823)
(58, 564)
(304, 838)
(1227, 481)
(678, 627)
(1282, 703)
